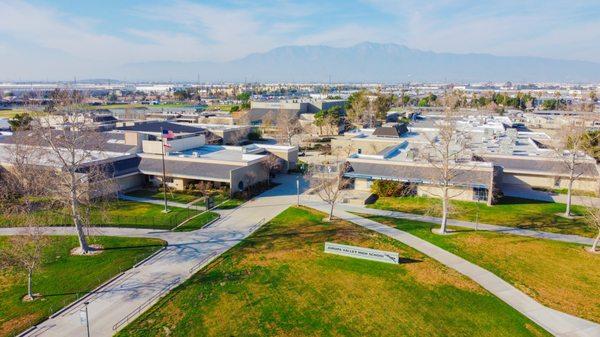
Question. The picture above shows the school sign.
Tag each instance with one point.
(361, 253)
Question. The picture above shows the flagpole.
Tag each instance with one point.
(162, 148)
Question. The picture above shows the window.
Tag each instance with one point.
(480, 193)
(359, 151)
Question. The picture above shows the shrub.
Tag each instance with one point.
(255, 135)
(389, 188)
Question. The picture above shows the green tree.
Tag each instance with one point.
(329, 117)
(182, 95)
(245, 98)
(20, 122)
(382, 104)
(356, 108)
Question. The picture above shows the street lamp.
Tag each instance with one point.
(298, 190)
(83, 317)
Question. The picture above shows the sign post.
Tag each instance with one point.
(362, 253)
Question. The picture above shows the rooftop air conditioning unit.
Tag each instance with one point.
(195, 154)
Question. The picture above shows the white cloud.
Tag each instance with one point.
(553, 29)
(43, 40)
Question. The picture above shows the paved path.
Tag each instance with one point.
(555, 322)
(186, 253)
(458, 223)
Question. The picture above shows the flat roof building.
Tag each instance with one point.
(135, 152)
(498, 158)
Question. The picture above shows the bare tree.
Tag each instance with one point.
(571, 149)
(287, 127)
(593, 219)
(25, 252)
(73, 179)
(328, 181)
(445, 153)
(272, 164)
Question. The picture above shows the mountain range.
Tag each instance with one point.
(368, 62)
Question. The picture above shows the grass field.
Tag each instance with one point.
(512, 212)
(63, 278)
(7, 113)
(11, 113)
(560, 275)
(278, 282)
(115, 106)
(222, 202)
(222, 107)
(120, 213)
(230, 203)
(172, 105)
(566, 191)
(158, 195)
(197, 222)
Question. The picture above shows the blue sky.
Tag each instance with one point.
(48, 39)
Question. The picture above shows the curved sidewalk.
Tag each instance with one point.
(480, 226)
(555, 322)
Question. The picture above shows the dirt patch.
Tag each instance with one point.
(95, 249)
(32, 298)
(429, 274)
(18, 323)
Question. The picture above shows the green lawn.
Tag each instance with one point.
(222, 202)
(183, 198)
(7, 113)
(173, 105)
(511, 212)
(560, 275)
(121, 213)
(63, 278)
(198, 222)
(223, 107)
(115, 106)
(278, 282)
(566, 191)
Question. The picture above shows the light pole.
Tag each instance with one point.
(84, 318)
(298, 190)
(164, 175)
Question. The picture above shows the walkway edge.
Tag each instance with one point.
(570, 238)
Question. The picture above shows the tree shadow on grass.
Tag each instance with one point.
(132, 247)
(406, 260)
(519, 201)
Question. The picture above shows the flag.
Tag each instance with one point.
(168, 134)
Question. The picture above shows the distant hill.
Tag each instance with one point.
(369, 62)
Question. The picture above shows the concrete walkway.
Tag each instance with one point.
(111, 308)
(484, 227)
(555, 322)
